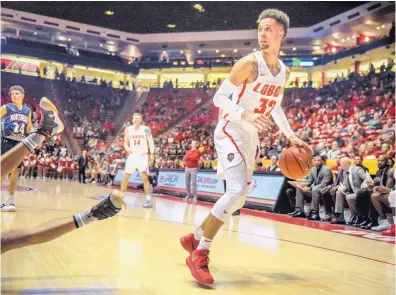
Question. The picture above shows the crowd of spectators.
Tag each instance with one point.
(99, 123)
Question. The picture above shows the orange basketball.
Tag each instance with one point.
(295, 163)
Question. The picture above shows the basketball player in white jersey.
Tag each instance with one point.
(139, 144)
(256, 83)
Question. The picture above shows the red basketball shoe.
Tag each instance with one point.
(198, 263)
(389, 232)
(189, 243)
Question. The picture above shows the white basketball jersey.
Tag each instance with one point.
(138, 139)
(262, 95)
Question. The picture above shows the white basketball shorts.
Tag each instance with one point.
(235, 142)
(136, 161)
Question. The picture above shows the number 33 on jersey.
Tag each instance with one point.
(262, 95)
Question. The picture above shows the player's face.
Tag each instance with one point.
(16, 96)
(358, 161)
(137, 120)
(270, 34)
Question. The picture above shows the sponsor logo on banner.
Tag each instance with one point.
(169, 179)
(207, 182)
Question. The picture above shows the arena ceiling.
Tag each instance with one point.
(154, 17)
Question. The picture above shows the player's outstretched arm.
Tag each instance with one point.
(18, 238)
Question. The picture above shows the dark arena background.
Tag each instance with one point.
(100, 63)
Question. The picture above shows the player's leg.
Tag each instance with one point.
(124, 183)
(142, 166)
(9, 204)
(392, 203)
(233, 199)
(129, 169)
(377, 199)
(14, 239)
(146, 185)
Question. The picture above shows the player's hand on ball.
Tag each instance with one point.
(294, 140)
(259, 121)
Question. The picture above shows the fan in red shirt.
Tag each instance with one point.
(191, 170)
(372, 151)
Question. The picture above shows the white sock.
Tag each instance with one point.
(198, 233)
(10, 200)
(204, 243)
(148, 198)
(83, 218)
(33, 141)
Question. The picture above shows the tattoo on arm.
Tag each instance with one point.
(254, 71)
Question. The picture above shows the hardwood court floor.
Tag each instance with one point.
(138, 252)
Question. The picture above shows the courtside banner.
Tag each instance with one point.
(133, 181)
(206, 181)
(264, 186)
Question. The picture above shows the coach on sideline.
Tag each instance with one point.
(191, 169)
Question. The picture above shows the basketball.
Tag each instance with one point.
(295, 163)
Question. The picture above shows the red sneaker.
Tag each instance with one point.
(189, 243)
(389, 232)
(198, 263)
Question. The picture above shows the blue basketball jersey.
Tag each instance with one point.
(14, 124)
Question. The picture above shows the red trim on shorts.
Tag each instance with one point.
(232, 140)
(239, 96)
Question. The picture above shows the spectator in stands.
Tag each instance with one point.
(386, 150)
(259, 167)
(357, 136)
(375, 123)
(336, 167)
(372, 151)
(339, 140)
(354, 179)
(274, 164)
(334, 151)
(362, 149)
(321, 149)
(319, 178)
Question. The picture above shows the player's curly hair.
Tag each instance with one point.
(277, 15)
